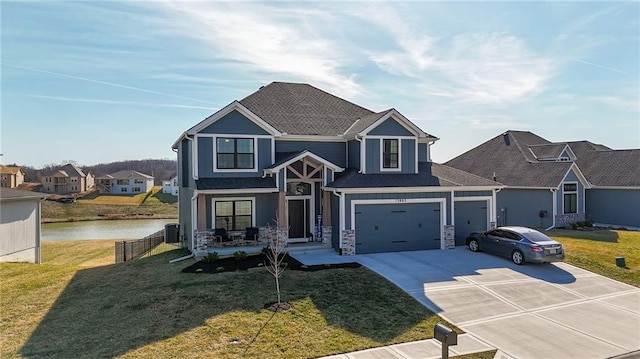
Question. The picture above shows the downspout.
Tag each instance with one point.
(181, 258)
(363, 155)
(341, 216)
(193, 229)
(494, 214)
(555, 206)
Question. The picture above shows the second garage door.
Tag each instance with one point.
(397, 227)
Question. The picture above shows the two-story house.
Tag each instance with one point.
(170, 186)
(11, 176)
(125, 182)
(67, 179)
(325, 169)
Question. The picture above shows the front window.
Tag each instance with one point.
(234, 215)
(570, 198)
(138, 181)
(390, 153)
(234, 153)
(122, 182)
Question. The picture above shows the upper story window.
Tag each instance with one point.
(390, 153)
(234, 153)
(570, 191)
(122, 182)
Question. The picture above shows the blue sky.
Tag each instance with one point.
(102, 81)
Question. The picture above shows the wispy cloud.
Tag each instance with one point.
(260, 39)
(118, 102)
(601, 66)
(103, 82)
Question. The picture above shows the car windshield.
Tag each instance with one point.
(537, 237)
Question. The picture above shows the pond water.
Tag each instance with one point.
(104, 229)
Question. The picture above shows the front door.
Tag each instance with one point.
(299, 218)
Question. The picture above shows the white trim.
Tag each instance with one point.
(615, 187)
(400, 119)
(490, 207)
(235, 105)
(194, 220)
(363, 153)
(381, 144)
(194, 157)
(426, 189)
(415, 162)
(231, 135)
(238, 191)
(393, 137)
(578, 174)
(442, 201)
(303, 154)
(234, 170)
(233, 199)
(564, 193)
(313, 138)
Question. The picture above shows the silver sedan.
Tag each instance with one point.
(520, 244)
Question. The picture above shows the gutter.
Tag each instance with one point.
(181, 258)
(555, 201)
(363, 149)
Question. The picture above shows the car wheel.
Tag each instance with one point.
(473, 245)
(517, 257)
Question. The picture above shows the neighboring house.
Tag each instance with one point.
(11, 176)
(125, 182)
(326, 169)
(170, 186)
(20, 225)
(67, 179)
(554, 184)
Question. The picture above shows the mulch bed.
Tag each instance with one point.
(256, 261)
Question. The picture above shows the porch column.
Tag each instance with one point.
(326, 208)
(282, 211)
(202, 213)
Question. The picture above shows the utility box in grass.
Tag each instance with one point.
(171, 232)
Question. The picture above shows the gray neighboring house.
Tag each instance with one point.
(554, 184)
(329, 170)
(124, 182)
(20, 225)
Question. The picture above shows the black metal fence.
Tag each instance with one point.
(130, 250)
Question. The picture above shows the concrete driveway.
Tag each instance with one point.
(531, 311)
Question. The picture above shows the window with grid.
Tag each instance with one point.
(233, 215)
(390, 153)
(234, 153)
(570, 198)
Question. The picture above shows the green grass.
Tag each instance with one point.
(94, 206)
(597, 250)
(76, 304)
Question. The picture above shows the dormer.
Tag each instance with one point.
(387, 142)
(553, 152)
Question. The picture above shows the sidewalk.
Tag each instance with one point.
(423, 349)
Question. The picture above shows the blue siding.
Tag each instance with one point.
(520, 207)
(408, 153)
(206, 153)
(334, 152)
(390, 127)
(372, 155)
(184, 215)
(266, 205)
(185, 179)
(354, 154)
(422, 152)
(473, 193)
(470, 216)
(234, 123)
(407, 156)
(620, 207)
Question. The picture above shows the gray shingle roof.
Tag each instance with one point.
(235, 183)
(365, 121)
(429, 175)
(67, 170)
(603, 166)
(301, 109)
(508, 157)
(511, 158)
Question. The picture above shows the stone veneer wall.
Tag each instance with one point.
(449, 237)
(348, 242)
(563, 220)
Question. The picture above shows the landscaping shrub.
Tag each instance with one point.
(240, 255)
(211, 257)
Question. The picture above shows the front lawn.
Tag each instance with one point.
(596, 251)
(75, 305)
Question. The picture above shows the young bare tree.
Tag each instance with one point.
(275, 253)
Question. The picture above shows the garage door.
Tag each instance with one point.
(470, 216)
(397, 227)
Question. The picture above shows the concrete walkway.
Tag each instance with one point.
(531, 311)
